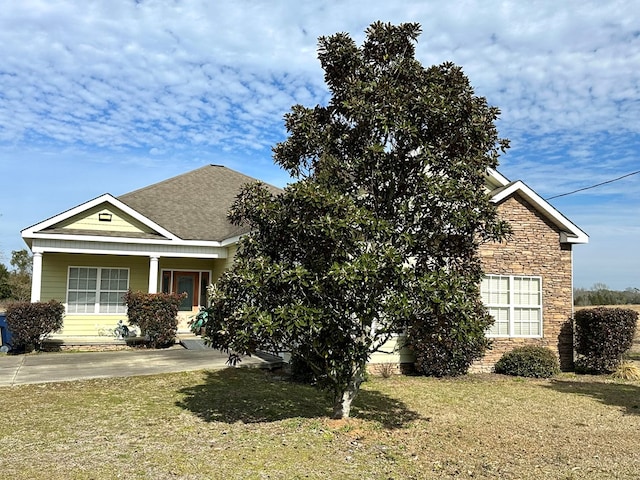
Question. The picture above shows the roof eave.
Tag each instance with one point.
(107, 239)
(569, 232)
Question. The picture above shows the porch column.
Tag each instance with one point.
(36, 279)
(153, 274)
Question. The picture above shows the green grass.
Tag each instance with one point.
(248, 424)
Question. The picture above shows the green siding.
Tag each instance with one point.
(54, 277)
(120, 221)
(193, 264)
(55, 267)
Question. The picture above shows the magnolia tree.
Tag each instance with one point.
(380, 229)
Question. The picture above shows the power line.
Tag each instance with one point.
(593, 186)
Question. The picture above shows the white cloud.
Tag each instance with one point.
(144, 82)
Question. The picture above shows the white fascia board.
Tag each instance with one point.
(29, 232)
(497, 178)
(130, 249)
(231, 240)
(150, 253)
(146, 241)
(570, 233)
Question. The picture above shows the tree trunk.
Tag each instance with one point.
(342, 405)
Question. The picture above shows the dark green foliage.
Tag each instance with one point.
(450, 333)
(602, 336)
(16, 284)
(381, 228)
(156, 314)
(308, 280)
(300, 369)
(31, 323)
(5, 288)
(529, 361)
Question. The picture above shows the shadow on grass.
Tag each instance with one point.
(252, 396)
(623, 395)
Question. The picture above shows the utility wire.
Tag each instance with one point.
(593, 186)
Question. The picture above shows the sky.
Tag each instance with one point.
(110, 96)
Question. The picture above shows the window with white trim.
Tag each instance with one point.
(97, 290)
(515, 302)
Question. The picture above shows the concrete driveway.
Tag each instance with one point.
(64, 367)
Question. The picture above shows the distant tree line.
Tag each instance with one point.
(15, 281)
(601, 294)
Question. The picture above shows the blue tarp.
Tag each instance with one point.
(5, 334)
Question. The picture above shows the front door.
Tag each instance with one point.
(187, 282)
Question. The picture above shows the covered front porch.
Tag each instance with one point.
(91, 287)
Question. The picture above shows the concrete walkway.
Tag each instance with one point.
(64, 367)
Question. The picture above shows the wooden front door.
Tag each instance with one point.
(187, 282)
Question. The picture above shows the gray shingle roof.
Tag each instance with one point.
(193, 205)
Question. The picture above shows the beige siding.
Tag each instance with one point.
(120, 221)
(393, 351)
(231, 255)
(54, 277)
(220, 266)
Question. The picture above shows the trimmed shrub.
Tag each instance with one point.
(529, 361)
(602, 336)
(156, 314)
(31, 323)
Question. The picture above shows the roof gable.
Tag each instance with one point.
(570, 233)
(104, 216)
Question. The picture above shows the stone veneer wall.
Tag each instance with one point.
(534, 249)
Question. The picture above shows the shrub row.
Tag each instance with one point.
(31, 323)
(156, 314)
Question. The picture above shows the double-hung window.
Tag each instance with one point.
(97, 290)
(515, 302)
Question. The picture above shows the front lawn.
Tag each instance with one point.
(247, 424)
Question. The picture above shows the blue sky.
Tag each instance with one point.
(109, 96)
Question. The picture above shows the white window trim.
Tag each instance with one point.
(96, 306)
(512, 307)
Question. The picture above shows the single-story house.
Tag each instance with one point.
(174, 236)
